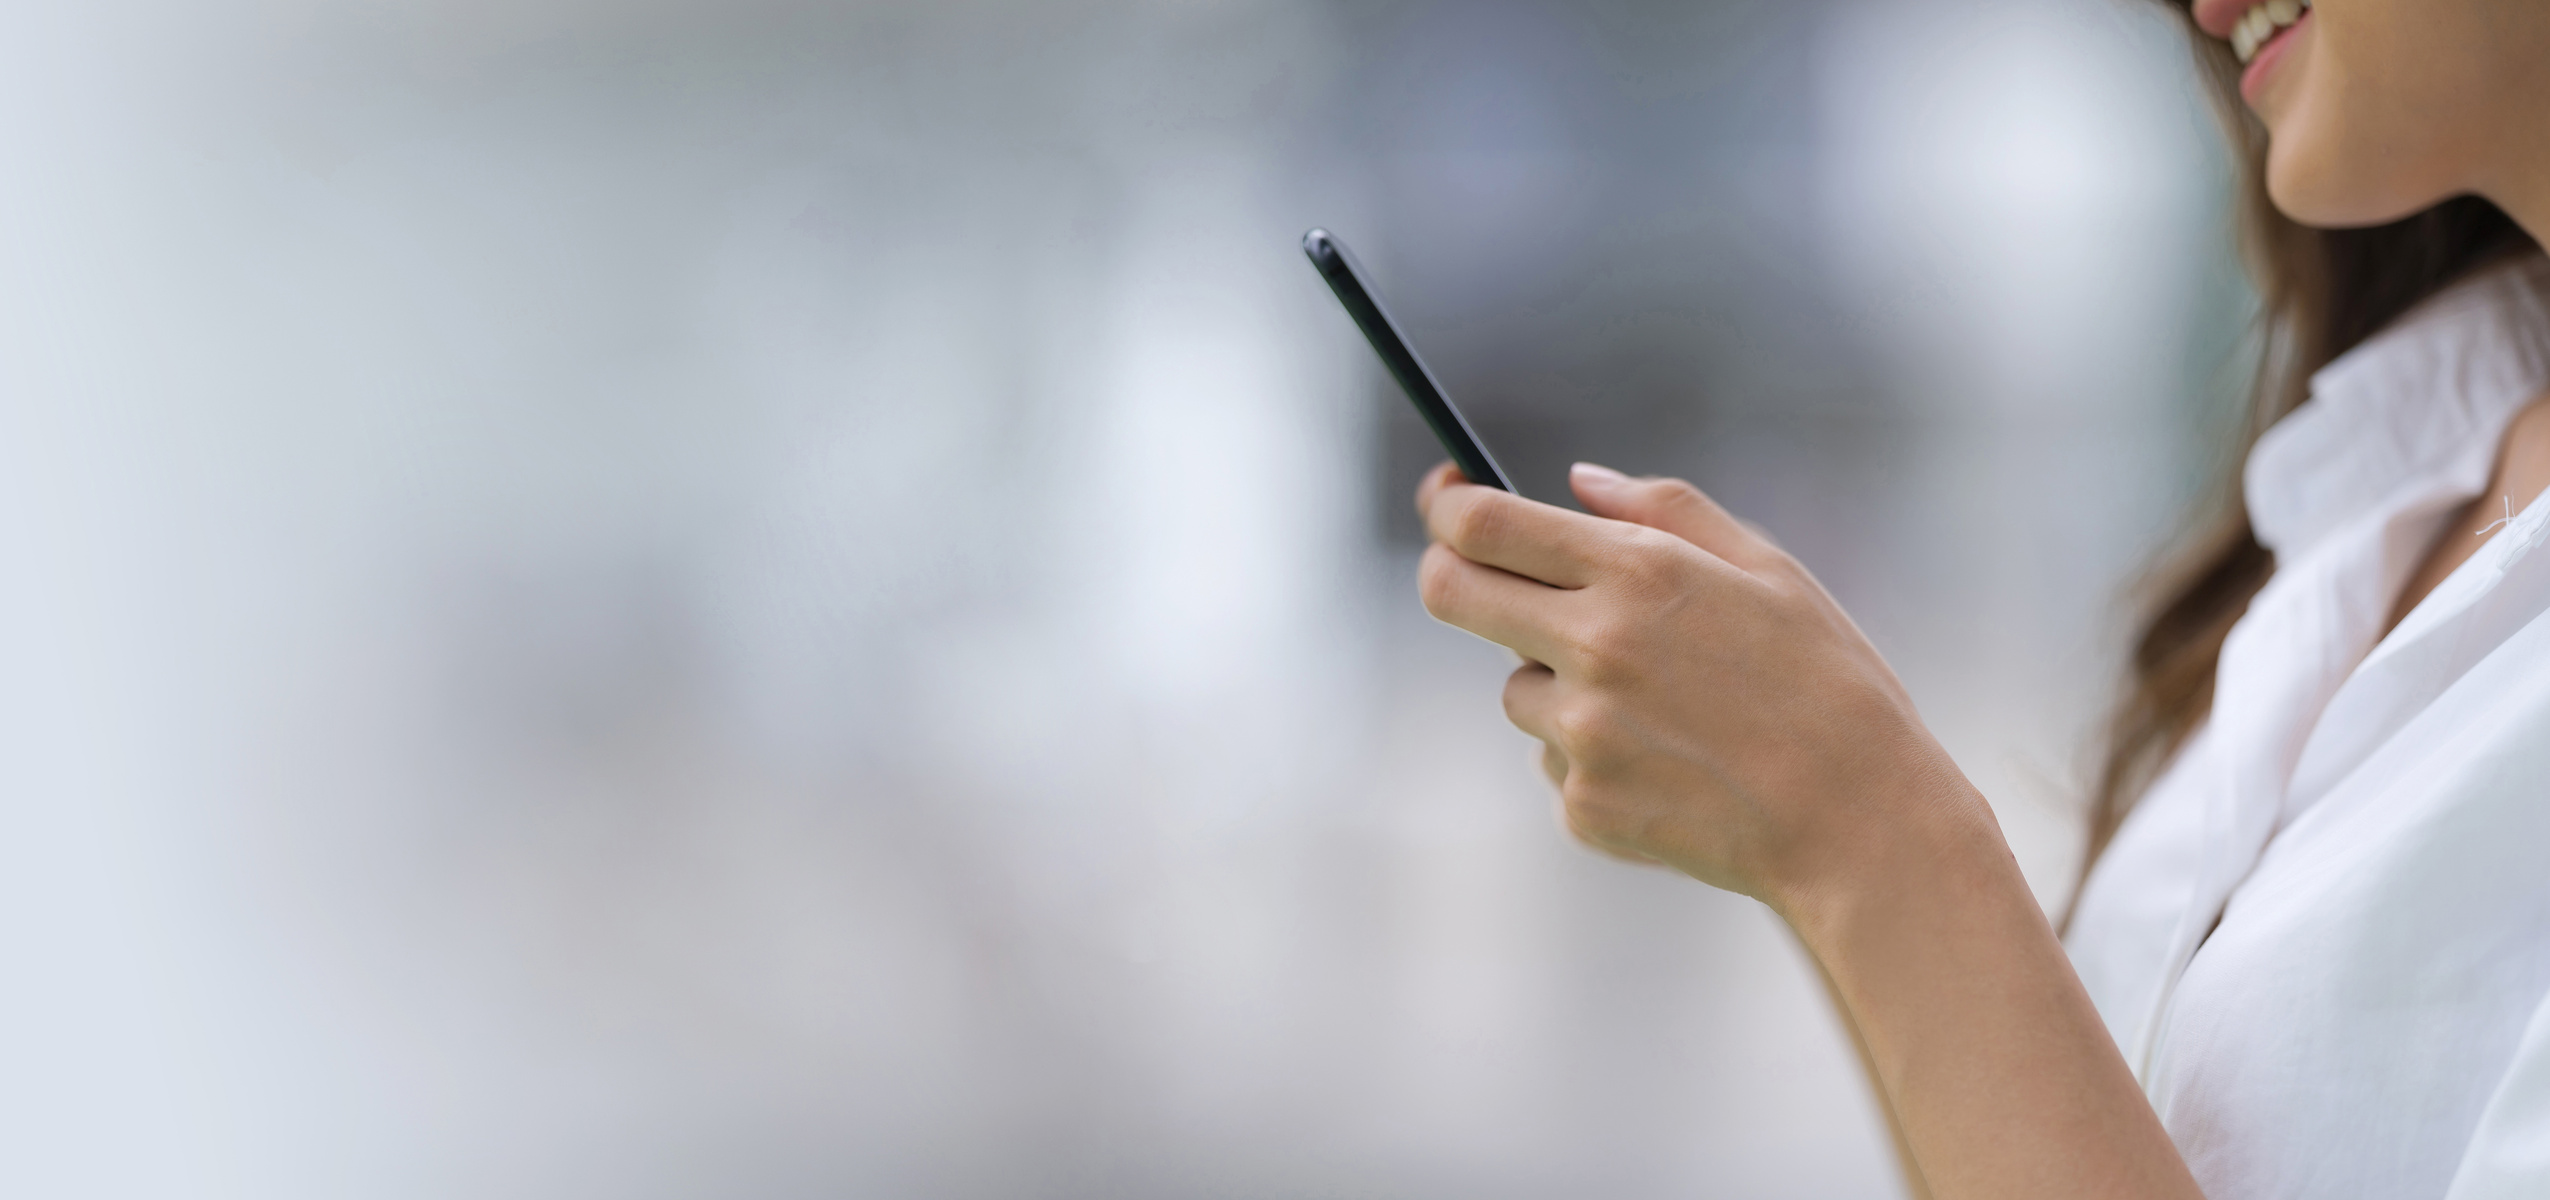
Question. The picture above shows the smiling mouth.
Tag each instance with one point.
(2262, 23)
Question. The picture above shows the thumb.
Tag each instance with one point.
(1671, 505)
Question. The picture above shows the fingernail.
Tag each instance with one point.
(1595, 473)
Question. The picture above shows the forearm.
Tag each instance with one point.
(1915, 1188)
(2001, 1076)
(1718, 712)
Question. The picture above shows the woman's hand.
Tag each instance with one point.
(1701, 701)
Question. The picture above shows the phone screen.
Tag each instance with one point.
(1348, 280)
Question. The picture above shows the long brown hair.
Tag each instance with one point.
(2320, 291)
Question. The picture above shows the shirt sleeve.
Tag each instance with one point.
(2509, 1153)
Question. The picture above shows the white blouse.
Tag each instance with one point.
(2369, 824)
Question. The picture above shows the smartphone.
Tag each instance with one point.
(1348, 280)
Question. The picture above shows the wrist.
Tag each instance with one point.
(1935, 843)
(1984, 1043)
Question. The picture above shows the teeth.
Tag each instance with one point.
(2258, 26)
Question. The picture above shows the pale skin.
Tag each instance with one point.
(1703, 704)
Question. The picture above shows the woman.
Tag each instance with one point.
(2313, 945)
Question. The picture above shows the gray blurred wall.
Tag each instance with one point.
(669, 599)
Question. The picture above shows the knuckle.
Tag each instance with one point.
(1676, 496)
(1678, 491)
(1632, 545)
(1589, 811)
(1475, 523)
(1604, 648)
(1660, 558)
(1576, 799)
(1517, 687)
(1586, 731)
(1647, 557)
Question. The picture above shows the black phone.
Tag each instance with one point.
(1346, 278)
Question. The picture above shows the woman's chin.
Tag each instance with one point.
(2331, 165)
(2312, 190)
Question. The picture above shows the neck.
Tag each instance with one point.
(2521, 183)
(2528, 204)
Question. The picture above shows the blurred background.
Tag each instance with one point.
(667, 599)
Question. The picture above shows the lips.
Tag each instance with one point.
(2261, 24)
(2263, 63)
(2258, 33)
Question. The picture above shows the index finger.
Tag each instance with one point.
(1535, 540)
